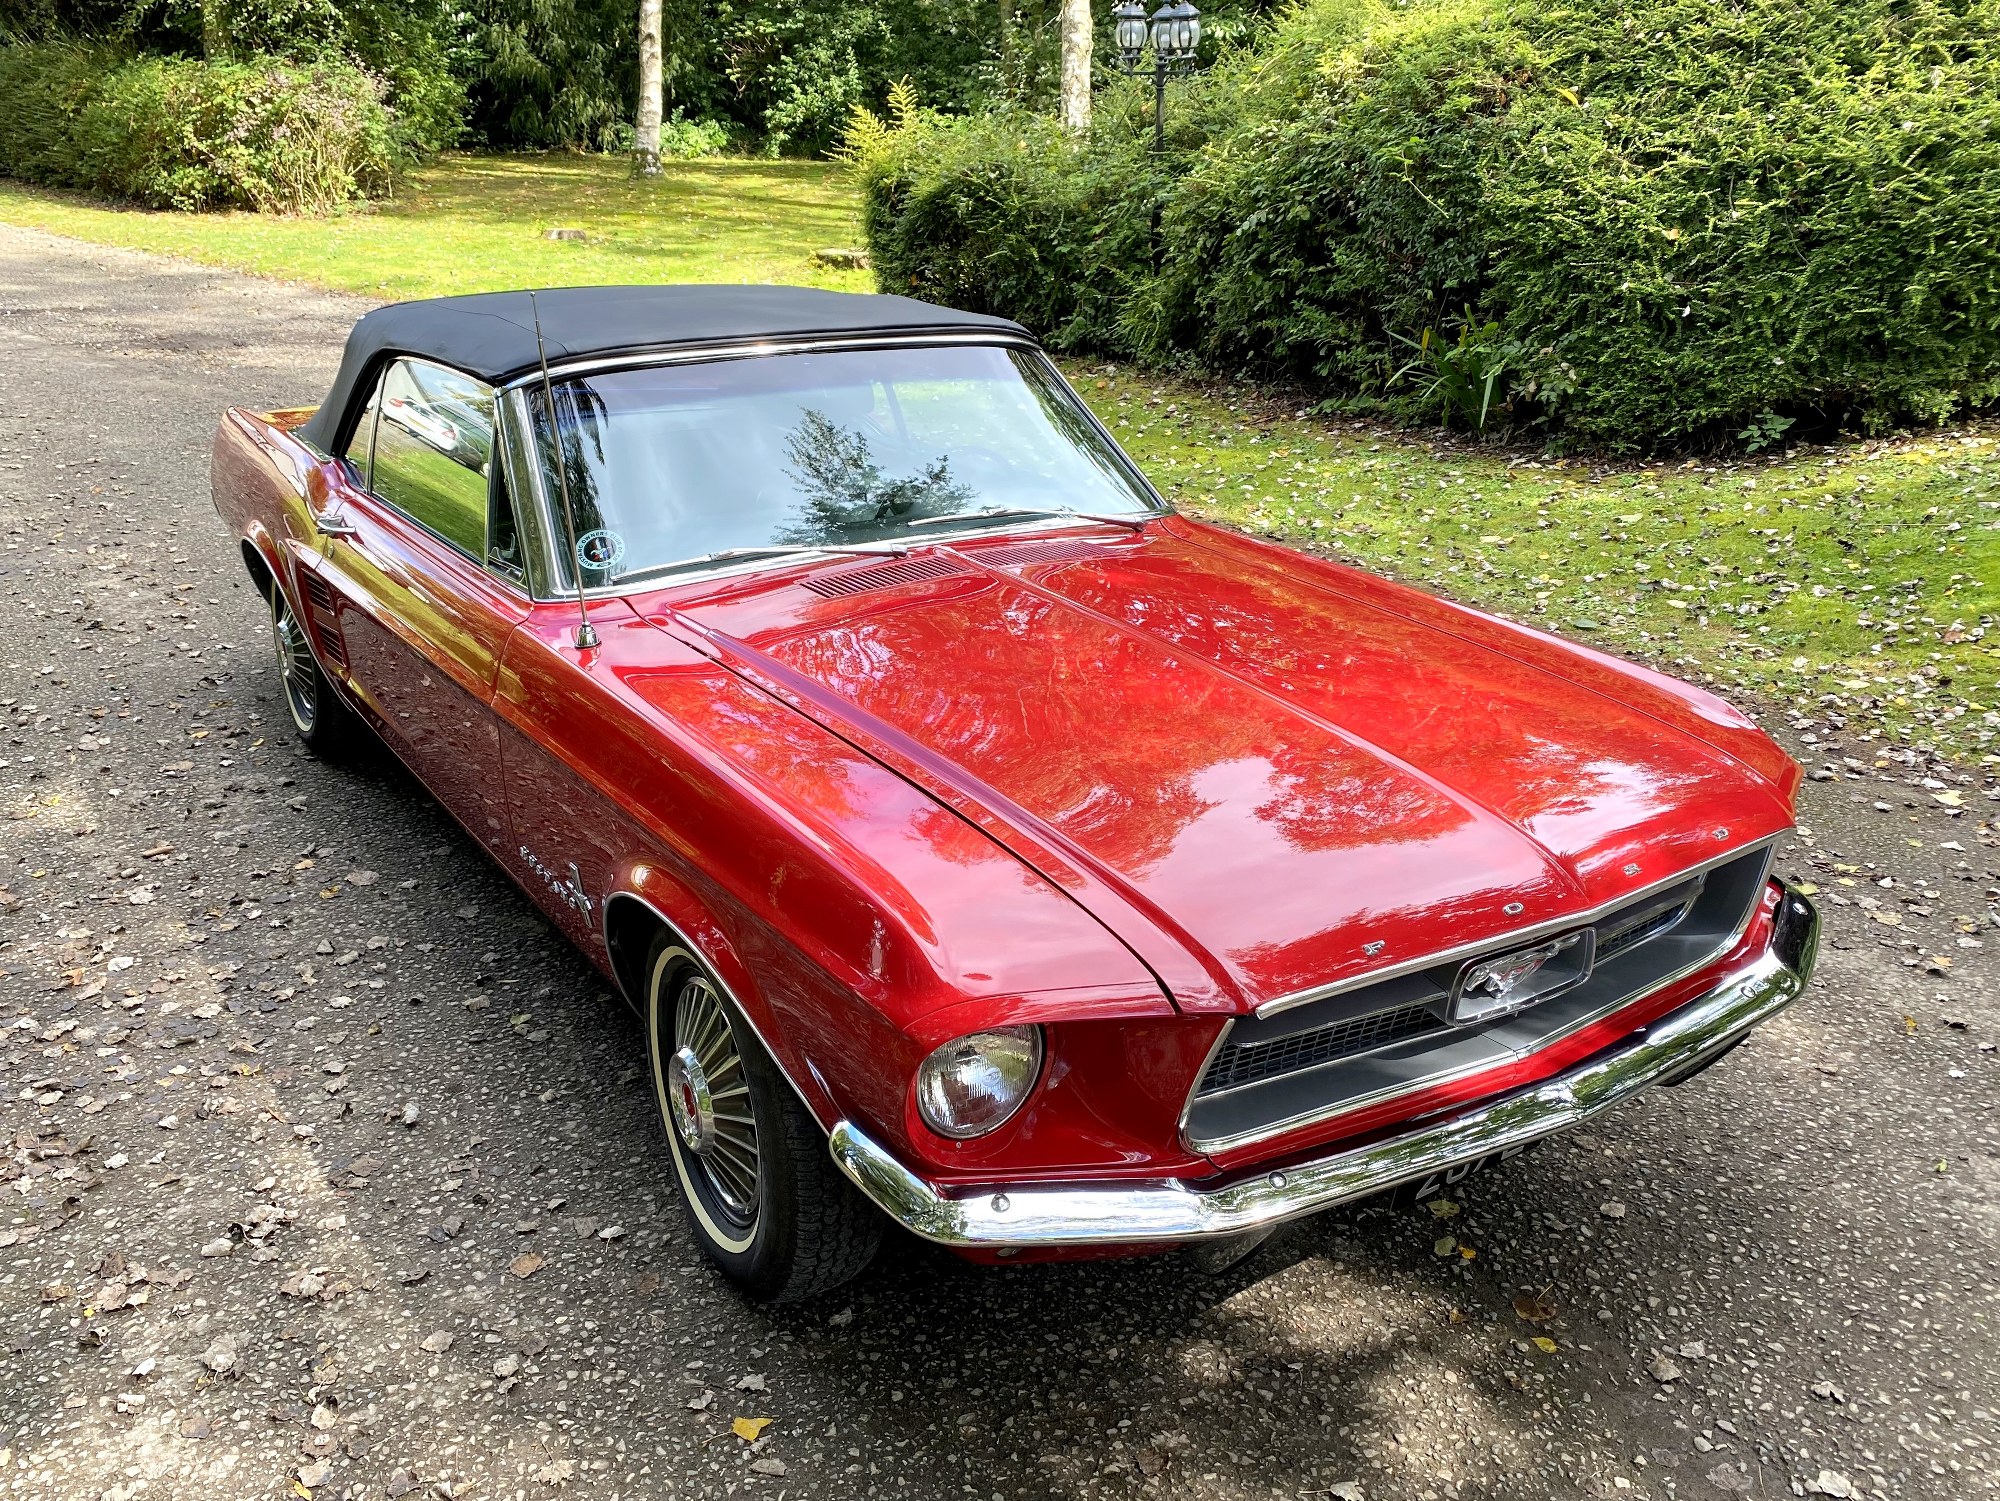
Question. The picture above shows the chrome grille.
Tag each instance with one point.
(1388, 1035)
(1621, 939)
(1246, 1063)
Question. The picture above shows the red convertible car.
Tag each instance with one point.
(987, 847)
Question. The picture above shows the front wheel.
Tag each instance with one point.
(763, 1195)
(323, 721)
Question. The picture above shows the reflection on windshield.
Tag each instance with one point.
(670, 464)
(842, 488)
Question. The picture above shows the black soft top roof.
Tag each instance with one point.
(491, 335)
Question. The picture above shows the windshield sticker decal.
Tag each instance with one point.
(601, 549)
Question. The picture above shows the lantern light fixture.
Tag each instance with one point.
(1174, 34)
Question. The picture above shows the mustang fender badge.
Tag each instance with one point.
(570, 891)
(1372, 949)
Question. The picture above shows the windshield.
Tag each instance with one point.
(669, 465)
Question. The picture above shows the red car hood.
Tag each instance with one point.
(1263, 772)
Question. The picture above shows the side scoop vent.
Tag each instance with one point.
(321, 616)
(881, 576)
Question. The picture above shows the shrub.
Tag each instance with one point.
(1660, 221)
(179, 133)
(684, 140)
(1004, 213)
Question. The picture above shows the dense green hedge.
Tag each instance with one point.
(181, 133)
(1624, 221)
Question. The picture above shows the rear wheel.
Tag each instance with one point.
(763, 1195)
(322, 720)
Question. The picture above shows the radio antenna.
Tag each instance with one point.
(586, 635)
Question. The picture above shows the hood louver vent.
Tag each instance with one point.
(1056, 550)
(883, 576)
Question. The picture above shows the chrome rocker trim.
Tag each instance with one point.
(1153, 1213)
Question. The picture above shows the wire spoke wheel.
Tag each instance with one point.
(763, 1195)
(708, 1103)
(297, 670)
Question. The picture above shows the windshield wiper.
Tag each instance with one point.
(987, 513)
(770, 550)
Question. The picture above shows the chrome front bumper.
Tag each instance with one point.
(1161, 1211)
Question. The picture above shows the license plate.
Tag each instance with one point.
(1441, 1182)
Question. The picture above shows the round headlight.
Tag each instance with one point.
(971, 1085)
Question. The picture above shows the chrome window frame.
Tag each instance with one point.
(1500, 942)
(510, 429)
(526, 516)
(550, 589)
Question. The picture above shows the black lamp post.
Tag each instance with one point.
(1174, 31)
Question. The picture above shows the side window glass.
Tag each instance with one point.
(434, 450)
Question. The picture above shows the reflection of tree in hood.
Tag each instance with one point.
(845, 489)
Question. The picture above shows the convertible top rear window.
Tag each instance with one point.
(670, 465)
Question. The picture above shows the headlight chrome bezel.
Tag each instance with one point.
(1011, 1058)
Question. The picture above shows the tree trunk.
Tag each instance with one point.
(646, 143)
(215, 30)
(1076, 39)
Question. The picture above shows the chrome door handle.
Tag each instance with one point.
(336, 526)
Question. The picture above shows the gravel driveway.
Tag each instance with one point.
(329, 1168)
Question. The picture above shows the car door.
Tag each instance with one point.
(422, 569)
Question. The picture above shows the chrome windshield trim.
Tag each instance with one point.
(1169, 1211)
(697, 354)
(1513, 935)
(557, 566)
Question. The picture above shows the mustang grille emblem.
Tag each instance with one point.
(1487, 989)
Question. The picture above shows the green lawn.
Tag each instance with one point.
(476, 223)
(1858, 581)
